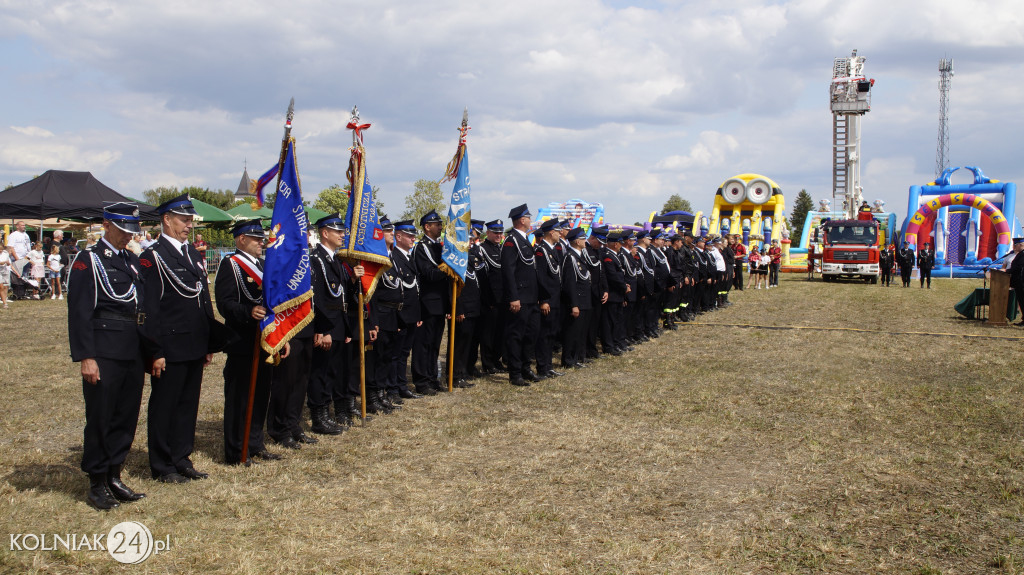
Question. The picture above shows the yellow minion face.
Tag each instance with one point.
(753, 188)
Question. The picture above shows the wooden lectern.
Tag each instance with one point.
(998, 296)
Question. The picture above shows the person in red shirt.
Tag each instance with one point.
(200, 245)
(736, 241)
(775, 253)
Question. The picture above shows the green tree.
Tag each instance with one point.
(804, 203)
(677, 203)
(335, 199)
(426, 196)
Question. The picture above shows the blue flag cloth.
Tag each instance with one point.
(456, 239)
(287, 292)
(365, 240)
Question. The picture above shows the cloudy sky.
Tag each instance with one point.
(611, 101)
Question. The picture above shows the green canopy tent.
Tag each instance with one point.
(245, 212)
(209, 214)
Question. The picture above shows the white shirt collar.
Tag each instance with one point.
(177, 245)
(327, 251)
(115, 250)
(522, 233)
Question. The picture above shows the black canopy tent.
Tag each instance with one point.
(60, 194)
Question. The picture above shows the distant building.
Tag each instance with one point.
(244, 191)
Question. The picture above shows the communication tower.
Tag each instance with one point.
(942, 149)
(850, 98)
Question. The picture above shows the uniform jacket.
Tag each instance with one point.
(611, 264)
(576, 280)
(410, 312)
(469, 298)
(388, 297)
(491, 292)
(629, 273)
(926, 259)
(333, 291)
(549, 274)
(107, 337)
(598, 282)
(179, 314)
(237, 294)
(518, 269)
(435, 286)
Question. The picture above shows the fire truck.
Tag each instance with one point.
(850, 249)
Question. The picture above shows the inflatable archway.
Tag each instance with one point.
(749, 204)
(970, 225)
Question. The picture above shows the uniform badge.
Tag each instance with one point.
(108, 253)
(334, 286)
(248, 279)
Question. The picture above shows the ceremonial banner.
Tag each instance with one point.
(256, 188)
(456, 233)
(287, 291)
(365, 239)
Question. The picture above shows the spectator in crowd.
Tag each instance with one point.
(38, 262)
(53, 267)
(5, 272)
(754, 263)
(20, 240)
(147, 240)
(774, 263)
(200, 246)
(133, 245)
(736, 241)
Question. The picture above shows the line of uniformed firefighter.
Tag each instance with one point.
(523, 303)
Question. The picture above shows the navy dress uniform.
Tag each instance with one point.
(492, 313)
(179, 317)
(435, 302)
(592, 255)
(613, 324)
(105, 328)
(926, 261)
(332, 289)
(409, 314)
(576, 294)
(467, 314)
(1016, 271)
(238, 286)
(905, 258)
(629, 271)
(519, 282)
(549, 294)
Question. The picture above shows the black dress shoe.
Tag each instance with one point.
(530, 376)
(173, 478)
(266, 455)
(288, 443)
(303, 438)
(407, 394)
(191, 473)
(426, 391)
(122, 492)
(395, 398)
(552, 373)
(462, 384)
(518, 381)
(474, 374)
(614, 352)
(99, 495)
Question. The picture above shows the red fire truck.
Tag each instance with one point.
(850, 249)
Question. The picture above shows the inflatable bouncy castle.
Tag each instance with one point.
(750, 205)
(969, 225)
(582, 214)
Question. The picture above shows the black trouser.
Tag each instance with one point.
(549, 330)
(288, 389)
(926, 274)
(329, 366)
(425, 350)
(773, 274)
(737, 278)
(237, 374)
(111, 413)
(464, 339)
(348, 384)
(653, 312)
(905, 275)
(173, 409)
(490, 331)
(886, 276)
(613, 326)
(593, 326)
(520, 334)
(574, 337)
(385, 351)
(630, 316)
(403, 347)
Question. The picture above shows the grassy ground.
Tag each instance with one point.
(712, 450)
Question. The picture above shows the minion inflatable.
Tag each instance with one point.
(750, 205)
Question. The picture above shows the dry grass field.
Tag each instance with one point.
(714, 449)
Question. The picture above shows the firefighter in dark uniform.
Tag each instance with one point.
(649, 264)
(179, 317)
(592, 256)
(926, 261)
(885, 263)
(613, 324)
(576, 295)
(628, 264)
(239, 290)
(549, 294)
(1016, 271)
(491, 328)
(333, 288)
(690, 266)
(519, 281)
(479, 272)
(409, 314)
(467, 314)
(435, 296)
(106, 334)
(905, 258)
(387, 302)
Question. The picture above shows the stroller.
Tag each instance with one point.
(20, 282)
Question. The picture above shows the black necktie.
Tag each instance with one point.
(184, 252)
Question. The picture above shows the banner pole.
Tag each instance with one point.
(451, 339)
(252, 395)
(362, 359)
